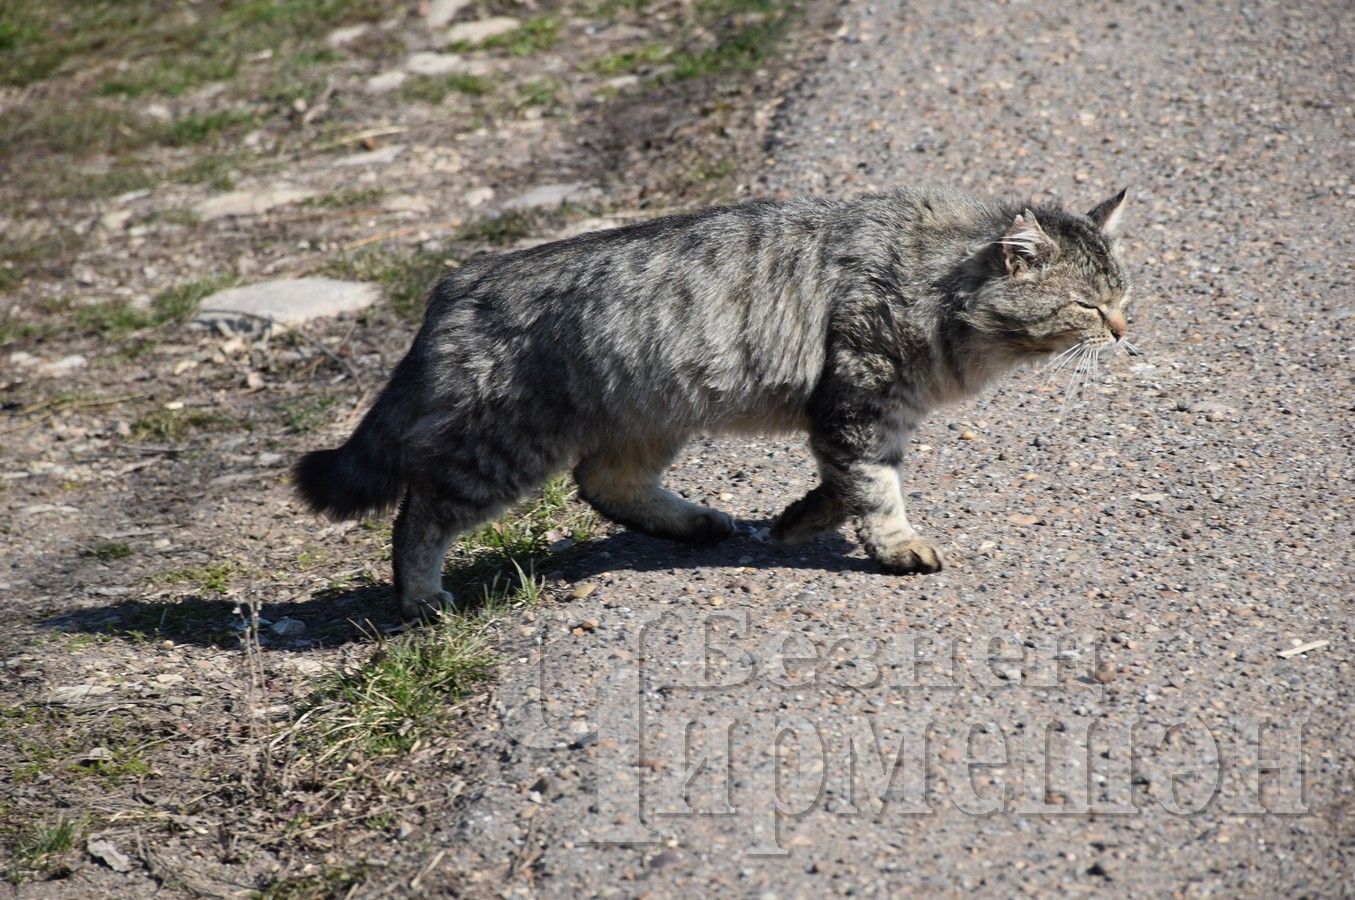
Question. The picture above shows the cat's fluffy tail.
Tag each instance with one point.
(364, 476)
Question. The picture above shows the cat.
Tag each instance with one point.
(847, 319)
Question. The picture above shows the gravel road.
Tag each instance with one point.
(1136, 558)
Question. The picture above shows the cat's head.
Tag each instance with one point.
(1052, 281)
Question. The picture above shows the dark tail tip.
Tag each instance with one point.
(330, 482)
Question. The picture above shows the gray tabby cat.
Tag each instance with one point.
(850, 320)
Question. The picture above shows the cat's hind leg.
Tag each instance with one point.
(818, 512)
(424, 529)
(624, 483)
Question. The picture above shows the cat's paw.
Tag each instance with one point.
(709, 526)
(916, 556)
(810, 516)
(427, 608)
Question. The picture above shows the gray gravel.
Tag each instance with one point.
(1169, 532)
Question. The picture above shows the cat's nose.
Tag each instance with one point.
(1116, 323)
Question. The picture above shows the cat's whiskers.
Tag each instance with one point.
(1084, 355)
(1063, 359)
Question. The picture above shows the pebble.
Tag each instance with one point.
(666, 859)
(432, 64)
(109, 855)
(441, 12)
(477, 196)
(482, 30)
(64, 366)
(385, 82)
(549, 196)
(382, 156)
(288, 627)
(340, 37)
(251, 203)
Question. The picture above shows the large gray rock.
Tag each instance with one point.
(289, 301)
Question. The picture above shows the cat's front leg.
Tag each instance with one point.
(859, 456)
(882, 521)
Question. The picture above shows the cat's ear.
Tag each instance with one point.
(1025, 246)
(1106, 216)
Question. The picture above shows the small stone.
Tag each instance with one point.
(1023, 519)
(75, 693)
(65, 365)
(431, 64)
(583, 590)
(169, 678)
(482, 30)
(339, 37)
(115, 219)
(561, 545)
(385, 82)
(550, 196)
(587, 626)
(1213, 410)
(478, 196)
(251, 203)
(440, 12)
(21, 359)
(664, 860)
(111, 856)
(97, 755)
(288, 627)
(968, 436)
(305, 666)
(1105, 674)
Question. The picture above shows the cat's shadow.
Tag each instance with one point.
(626, 550)
(336, 617)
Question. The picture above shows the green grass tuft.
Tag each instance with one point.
(346, 198)
(405, 277)
(626, 61)
(36, 851)
(535, 35)
(434, 89)
(108, 552)
(408, 687)
(334, 881)
(162, 425)
(199, 128)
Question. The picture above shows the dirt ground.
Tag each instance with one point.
(1133, 679)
